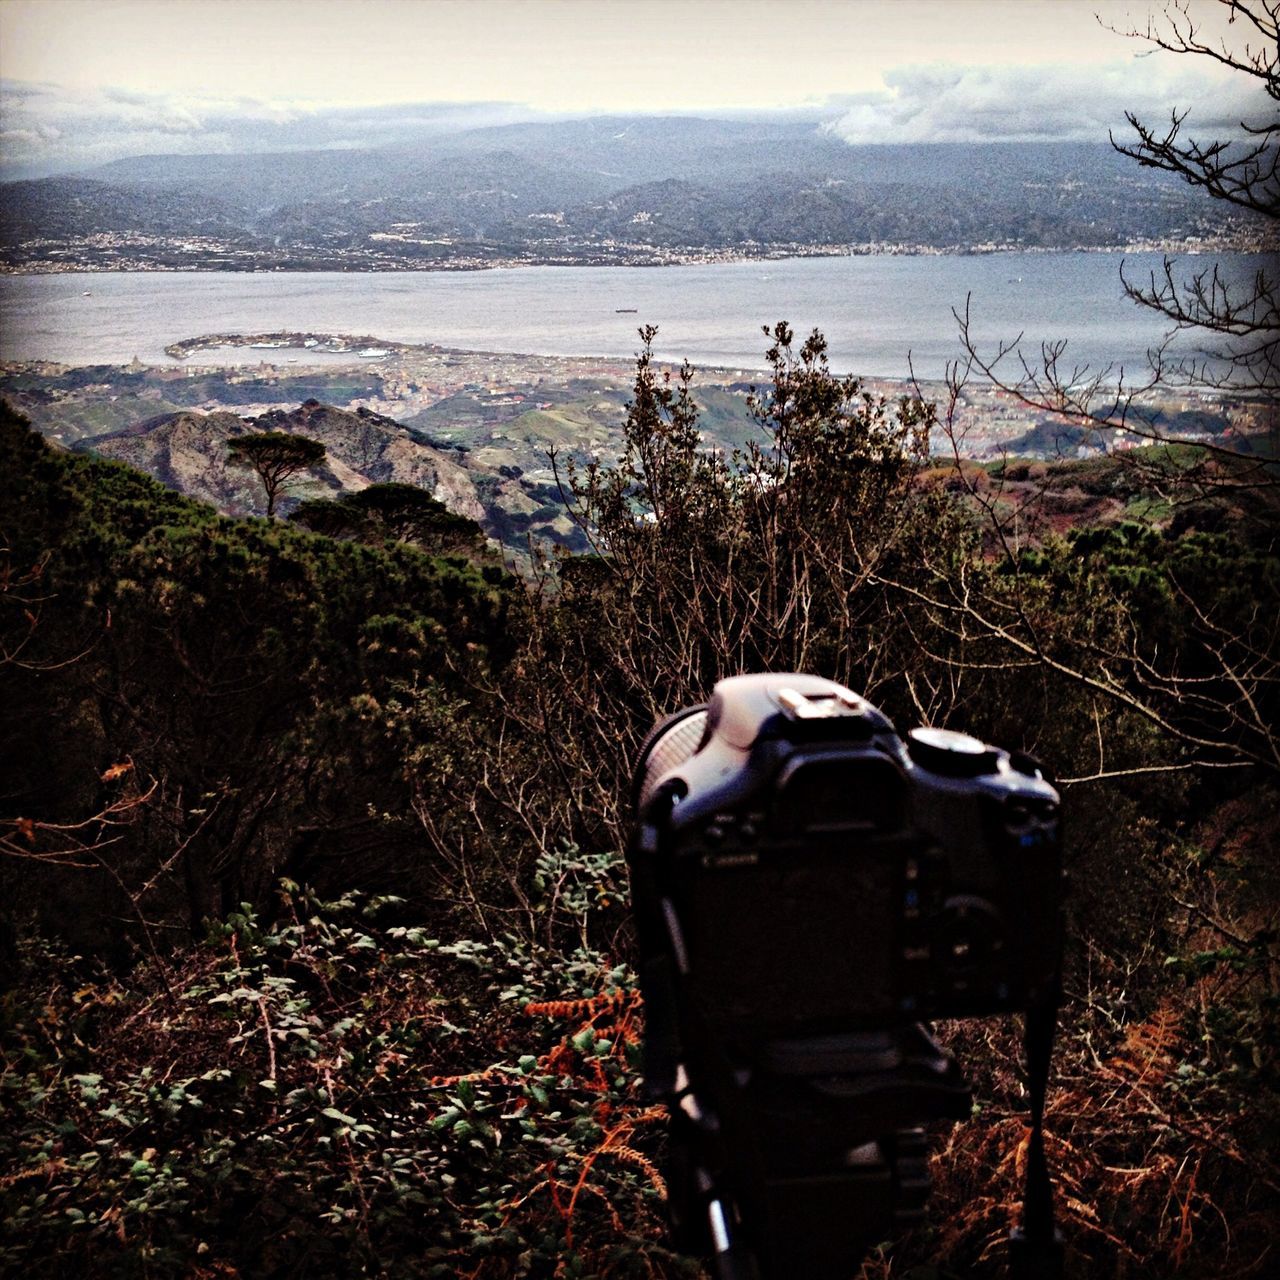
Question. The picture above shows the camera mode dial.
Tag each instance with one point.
(954, 755)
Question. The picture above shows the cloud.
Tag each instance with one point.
(46, 128)
(50, 129)
(948, 103)
(20, 138)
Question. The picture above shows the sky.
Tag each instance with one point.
(86, 81)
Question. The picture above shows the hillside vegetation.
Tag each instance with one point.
(316, 942)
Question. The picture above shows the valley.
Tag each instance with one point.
(486, 433)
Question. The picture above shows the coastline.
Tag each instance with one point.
(630, 255)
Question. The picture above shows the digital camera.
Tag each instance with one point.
(807, 871)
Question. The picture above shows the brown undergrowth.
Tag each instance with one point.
(1163, 1118)
(332, 1094)
(338, 1092)
(1147, 1183)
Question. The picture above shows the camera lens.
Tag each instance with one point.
(670, 743)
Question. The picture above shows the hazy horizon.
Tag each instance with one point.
(82, 84)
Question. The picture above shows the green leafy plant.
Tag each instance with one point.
(329, 1092)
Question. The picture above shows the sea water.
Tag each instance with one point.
(881, 314)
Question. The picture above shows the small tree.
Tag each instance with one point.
(1233, 325)
(1208, 685)
(275, 456)
(706, 565)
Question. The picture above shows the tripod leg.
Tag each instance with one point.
(1035, 1249)
(733, 1260)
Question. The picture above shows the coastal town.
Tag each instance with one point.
(472, 399)
(383, 252)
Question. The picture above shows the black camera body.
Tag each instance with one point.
(809, 888)
(813, 872)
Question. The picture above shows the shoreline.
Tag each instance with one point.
(278, 343)
(574, 365)
(628, 258)
(355, 345)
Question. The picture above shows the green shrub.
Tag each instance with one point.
(335, 1093)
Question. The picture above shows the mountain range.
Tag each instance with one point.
(602, 189)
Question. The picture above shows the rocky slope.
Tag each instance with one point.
(187, 451)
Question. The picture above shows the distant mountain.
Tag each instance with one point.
(594, 190)
(61, 208)
(187, 452)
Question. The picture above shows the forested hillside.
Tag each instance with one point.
(316, 949)
(637, 189)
